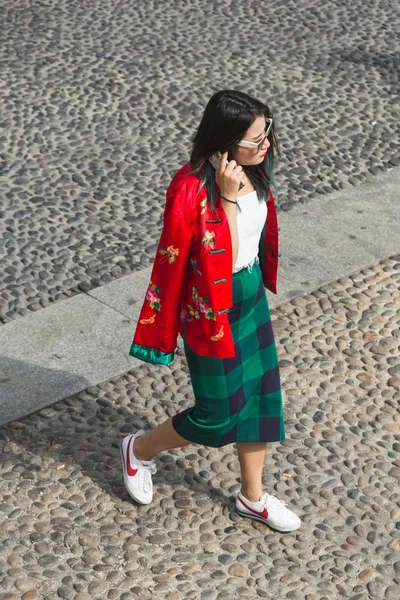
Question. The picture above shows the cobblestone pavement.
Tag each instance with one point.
(69, 529)
(101, 99)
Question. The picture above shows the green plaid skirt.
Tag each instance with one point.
(237, 399)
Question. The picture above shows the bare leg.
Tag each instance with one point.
(251, 458)
(161, 438)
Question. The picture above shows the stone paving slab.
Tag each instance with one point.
(101, 100)
(69, 530)
(49, 355)
(125, 295)
(344, 231)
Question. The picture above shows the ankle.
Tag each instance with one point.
(251, 495)
(137, 450)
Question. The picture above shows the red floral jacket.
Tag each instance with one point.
(191, 279)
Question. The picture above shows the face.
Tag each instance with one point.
(255, 133)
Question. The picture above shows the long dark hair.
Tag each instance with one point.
(226, 119)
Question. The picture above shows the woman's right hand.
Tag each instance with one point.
(229, 177)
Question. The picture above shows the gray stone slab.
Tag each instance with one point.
(125, 295)
(343, 232)
(61, 350)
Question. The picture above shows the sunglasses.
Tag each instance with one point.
(246, 144)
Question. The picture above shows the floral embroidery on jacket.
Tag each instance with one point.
(184, 315)
(203, 205)
(208, 240)
(152, 296)
(200, 307)
(170, 254)
(149, 320)
(218, 335)
(194, 265)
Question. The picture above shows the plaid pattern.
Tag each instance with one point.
(238, 399)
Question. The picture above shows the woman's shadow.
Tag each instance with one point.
(82, 434)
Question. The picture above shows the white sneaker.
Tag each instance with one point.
(137, 473)
(269, 510)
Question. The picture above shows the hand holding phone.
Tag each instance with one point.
(229, 174)
(215, 160)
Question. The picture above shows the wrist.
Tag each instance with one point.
(231, 194)
(231, 199)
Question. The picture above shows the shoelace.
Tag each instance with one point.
(277, 500)
(274, 500)
(148, 471)
(152, 468)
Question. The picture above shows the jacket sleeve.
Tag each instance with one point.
(156, 332)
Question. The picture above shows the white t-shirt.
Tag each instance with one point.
(250, 223)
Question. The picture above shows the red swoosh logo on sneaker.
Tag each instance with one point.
(264, 513)
(131, 472)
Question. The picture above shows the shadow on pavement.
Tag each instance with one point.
(27, 387)
(81, 435)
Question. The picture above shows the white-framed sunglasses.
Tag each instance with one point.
(246, 144)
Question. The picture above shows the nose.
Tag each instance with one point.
(266, 144)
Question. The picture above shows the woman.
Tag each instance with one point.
(207, 284)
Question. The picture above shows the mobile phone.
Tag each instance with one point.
(215, 160)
